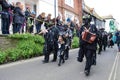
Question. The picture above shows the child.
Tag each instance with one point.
(61, 48)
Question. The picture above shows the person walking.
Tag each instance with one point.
(88, 46)
(118, 39)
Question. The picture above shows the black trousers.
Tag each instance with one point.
(5, 25)
(38, 28)
(89, 59)
(16, 28)
(104, 46)
(81, 53)
(47, 51)
(67, 47)
(66, 52)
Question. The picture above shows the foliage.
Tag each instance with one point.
(75, 43)
(28, 46)
(3, 56)
(27, 36)
(13, 54)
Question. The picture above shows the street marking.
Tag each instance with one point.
(115, 75)
(81, 72)
(119, 53)
(113, 67)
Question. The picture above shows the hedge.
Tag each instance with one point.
(28, 46)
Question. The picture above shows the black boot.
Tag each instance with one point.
(87, 72)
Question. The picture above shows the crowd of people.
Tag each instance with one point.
(58, 34)
(93, 41)
(14, 15)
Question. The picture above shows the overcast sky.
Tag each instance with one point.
(105, 7)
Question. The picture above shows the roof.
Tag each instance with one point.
(108, 17)
(91, 11)
(87, 9)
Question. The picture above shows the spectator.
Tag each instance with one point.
(39, 21)
(18, 18)
(27, 15)
(5, 16)
(31, 22)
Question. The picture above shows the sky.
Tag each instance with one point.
(106, 7)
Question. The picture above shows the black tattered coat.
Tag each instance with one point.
(93, 29)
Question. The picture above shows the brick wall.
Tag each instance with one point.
(77, 9)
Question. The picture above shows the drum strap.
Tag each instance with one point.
(87, 29)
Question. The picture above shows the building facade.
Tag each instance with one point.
(39, 6)
(98, 21)
(70, 9)
(115, 24)
(67, 8)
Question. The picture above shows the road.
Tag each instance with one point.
(34, 69)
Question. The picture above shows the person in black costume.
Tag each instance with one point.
(87, 49)
(117, 34)
(110, 41)
(51, 43)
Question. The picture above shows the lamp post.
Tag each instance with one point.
(55, 11)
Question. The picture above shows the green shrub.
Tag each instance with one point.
(38, 39)
(14, 54)
(27, 36)
(27, 48)
(30, 48)
(3, 56)
(38, 49)
(75, 43)
(21, 36)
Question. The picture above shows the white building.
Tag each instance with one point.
(39, 6)
(108, 19)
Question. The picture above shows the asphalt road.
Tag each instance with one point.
(34, 69)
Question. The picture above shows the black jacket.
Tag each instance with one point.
(5, 5)
(92, 46)
(5, 9)
(18, 16)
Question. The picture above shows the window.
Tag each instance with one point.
(83, 4)
(69, 2)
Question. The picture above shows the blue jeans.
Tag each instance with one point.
(16, 28)
(38, 27)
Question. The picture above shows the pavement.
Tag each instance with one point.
(107, 68)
